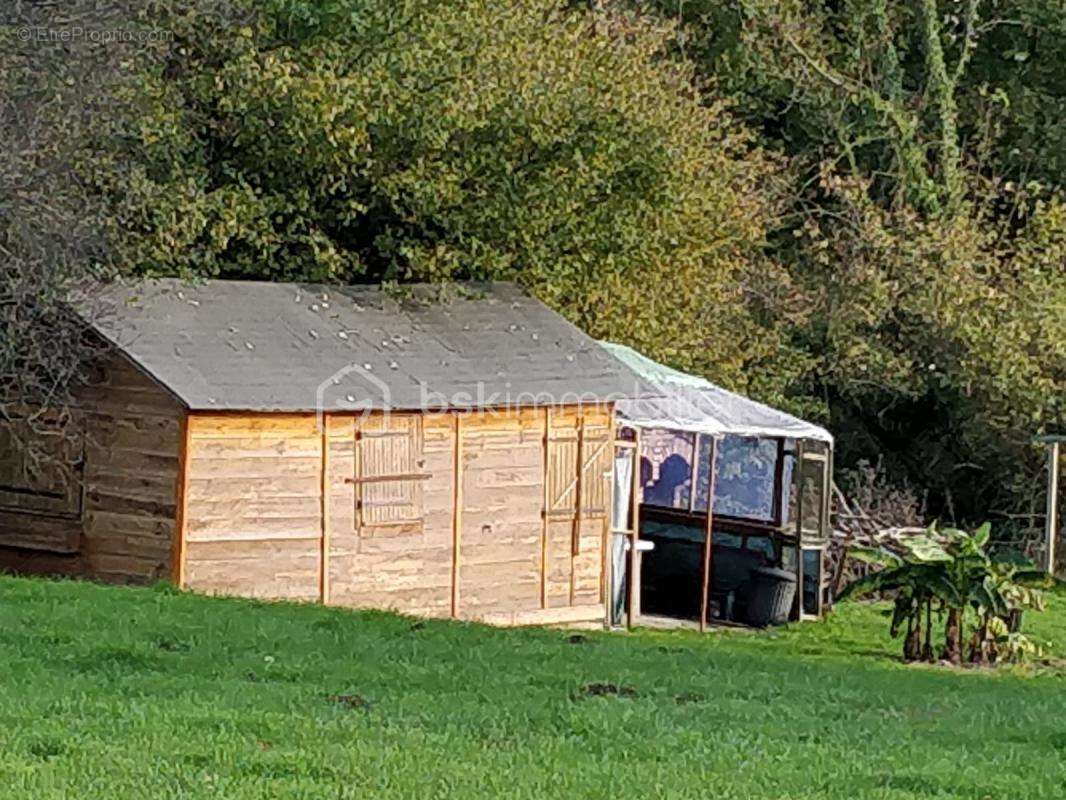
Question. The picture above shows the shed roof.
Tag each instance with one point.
(284, 347)
(686, 402)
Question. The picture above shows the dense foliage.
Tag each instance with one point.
(927, 227)
(851, 208)
(979, 598)
(399, 141)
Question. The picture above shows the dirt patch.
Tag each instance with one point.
(173, 646)
(685, 698)
(672, 650)
(604, 690)
(354, 701)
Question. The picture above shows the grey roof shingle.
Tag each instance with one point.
(251, 346)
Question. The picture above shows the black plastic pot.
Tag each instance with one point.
(772, 593)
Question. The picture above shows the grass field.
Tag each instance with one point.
(147, 693)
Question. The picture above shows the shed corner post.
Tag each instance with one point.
(324, 486)
(457, 509)
(825, 599)
(606, 560)
(797, 478)
(181, 502)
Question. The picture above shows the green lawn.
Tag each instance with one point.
(130, 693)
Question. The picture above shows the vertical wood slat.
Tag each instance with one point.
(357, 473)
(323, 578)
(563, 474)
(605, 546)
(575, 530)
(182, 502)
(708, 543)
(826, 532)
(547, 508)
(575, 539)
(598, 457)
(457, 511)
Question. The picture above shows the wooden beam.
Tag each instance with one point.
(826, 532)
(608, 523)
(547, 504)
(564, 615)
(457, 511)
(182, 503)
(575, 529)
(357, 495)
(797, 476)
(251, 538)
(1052, 504)
(708, 541)
(323, 559)
(403, 476)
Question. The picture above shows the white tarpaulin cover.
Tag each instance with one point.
(694, 404)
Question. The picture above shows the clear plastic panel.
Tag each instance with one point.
(744, 477)
(666, 468)
(812, 581)
(812, 487)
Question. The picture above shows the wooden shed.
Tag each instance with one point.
(337, 445)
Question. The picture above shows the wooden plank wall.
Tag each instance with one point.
(255, 518)
(502, 471)
(133, 445)
(255, 522)
(253, 510)
(125, 531)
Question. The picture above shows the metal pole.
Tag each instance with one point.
(1052, 506)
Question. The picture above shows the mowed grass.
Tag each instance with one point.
(149, 693)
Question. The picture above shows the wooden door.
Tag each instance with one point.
(577, 505)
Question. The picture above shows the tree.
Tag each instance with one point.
(54, 247)
(373, 140)
(50, 247)
(935, 330)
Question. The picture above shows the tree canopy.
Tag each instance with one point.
(374, 140)
(925, 225)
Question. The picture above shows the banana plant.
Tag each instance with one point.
(949, 572)
(914, 575)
